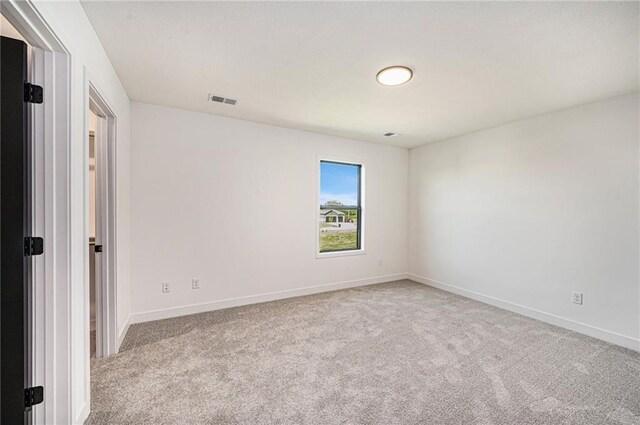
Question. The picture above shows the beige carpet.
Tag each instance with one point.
(397, 353)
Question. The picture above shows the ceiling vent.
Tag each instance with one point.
(390, 134)
(220, 99)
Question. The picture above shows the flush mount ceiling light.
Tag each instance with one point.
(394, 75)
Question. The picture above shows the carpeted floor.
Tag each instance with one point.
(396, 353)
(92, 343)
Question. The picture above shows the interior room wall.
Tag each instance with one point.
(524, 214)
(234, 203)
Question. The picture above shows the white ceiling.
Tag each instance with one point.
(312, 66)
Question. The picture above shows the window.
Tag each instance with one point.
(340, 215)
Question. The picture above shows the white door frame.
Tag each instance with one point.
(53, 313)
(106, 224)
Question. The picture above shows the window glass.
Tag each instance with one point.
(339, 215)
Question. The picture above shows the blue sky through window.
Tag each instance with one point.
(338, 182)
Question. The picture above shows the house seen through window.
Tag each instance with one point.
(340, 206)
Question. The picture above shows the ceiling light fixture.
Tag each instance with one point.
(394, 75)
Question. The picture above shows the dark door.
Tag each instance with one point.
(15, 345)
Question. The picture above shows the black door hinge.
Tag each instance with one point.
(33, 246)
(98, 248)
(33, 396)
(32, 93)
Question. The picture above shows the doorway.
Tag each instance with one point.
(93, 122)
(58, 304)
(17, 244)
(101, 240)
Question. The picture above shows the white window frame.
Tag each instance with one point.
(362, 213)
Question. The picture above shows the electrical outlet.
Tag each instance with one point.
(380, 262)
(195, 283)
(165, 286)
(576, 298)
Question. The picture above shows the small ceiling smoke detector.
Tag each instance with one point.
(221, 99)
(394, 75)
(390, 134)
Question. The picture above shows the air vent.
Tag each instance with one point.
(220, 99)
(390, 134)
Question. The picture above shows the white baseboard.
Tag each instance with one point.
(123, 333)
(83, 415)
(147, 316)
(583, 328)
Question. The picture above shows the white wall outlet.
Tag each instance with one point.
(576, 297)
(165, 286)
(380, 262)
(195, 283)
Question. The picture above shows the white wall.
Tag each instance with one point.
(530, 211)
(234, 203)
(89, 62)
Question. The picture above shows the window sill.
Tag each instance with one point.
(340, 253)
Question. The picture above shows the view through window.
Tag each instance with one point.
(340, 208)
